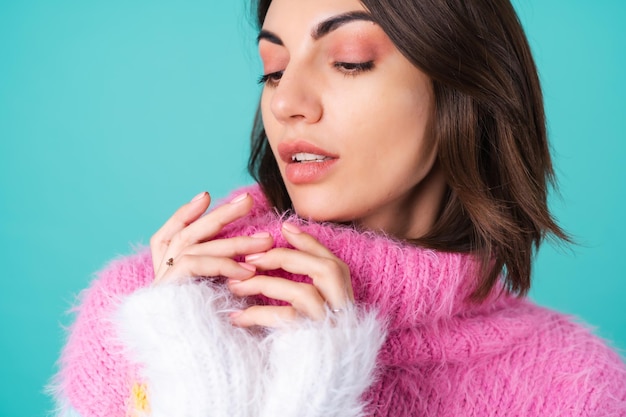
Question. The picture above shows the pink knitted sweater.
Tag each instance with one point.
(442, 355)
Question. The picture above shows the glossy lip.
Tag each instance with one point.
(305, 172)
(287, 150)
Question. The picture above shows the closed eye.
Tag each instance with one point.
(271, 79)
(348, 68)
(354, 68)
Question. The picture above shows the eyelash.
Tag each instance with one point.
(354, 68)
(350, 69)
(271, 79)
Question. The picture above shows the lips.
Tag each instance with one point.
(287, 151)
(308, 157)
(306, 163)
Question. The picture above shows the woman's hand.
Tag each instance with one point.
(184, 248)
(331, 286)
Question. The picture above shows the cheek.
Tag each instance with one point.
(395, 141)
(266, 111)
(410, 140)
(385, 121)
(405, 111)
(270, 124)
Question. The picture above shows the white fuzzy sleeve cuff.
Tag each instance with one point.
(193, 362)
(322, 369)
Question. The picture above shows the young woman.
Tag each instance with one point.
(380, 265)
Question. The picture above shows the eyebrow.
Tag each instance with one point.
(323, 28)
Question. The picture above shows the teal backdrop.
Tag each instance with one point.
(113, 113)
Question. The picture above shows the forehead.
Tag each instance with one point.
(303, 15)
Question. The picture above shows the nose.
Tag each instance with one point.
(296, 98)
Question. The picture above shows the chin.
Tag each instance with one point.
(320, 205)
(321, 213)
(311, 213)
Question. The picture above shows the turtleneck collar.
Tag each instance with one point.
(409, 285)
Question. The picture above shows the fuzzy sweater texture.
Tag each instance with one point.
(414, 345)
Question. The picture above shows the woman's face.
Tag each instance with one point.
(347, 116)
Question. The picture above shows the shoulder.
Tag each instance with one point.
(564, 367)
(120, 277)
(513, 355)
(124, 275)
(93, 375)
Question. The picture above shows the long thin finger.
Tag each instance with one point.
(231, 247)
(304, 298)
(206, 227)
(185, 215)
(190, 266)
(304, 241)
(309, 244)
(330, 276)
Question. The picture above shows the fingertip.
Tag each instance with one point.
(241, 204)
(198, 205)
(200, 196)
(239, 319)
(297, 237)
(291, 228)
(235, 287)
(234, 316)
(263, 241)
(254, 256)
(247, 266)
(261, 235)
(240, 198)
(244, 272)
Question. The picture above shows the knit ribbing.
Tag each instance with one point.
(94, 375)
(444, 355)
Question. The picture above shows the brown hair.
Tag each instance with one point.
(489, 125)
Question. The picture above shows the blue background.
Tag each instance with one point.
(113, 113)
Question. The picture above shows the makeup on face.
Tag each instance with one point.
(346, 116)
(359, 42)
(305, 162)
(274, 57)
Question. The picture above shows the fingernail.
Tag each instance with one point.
(233, 282)
(235, 314)
(199, 196)
(291, 228)
(249, 267)
(261, 235)
(239, 198)
(254, 256)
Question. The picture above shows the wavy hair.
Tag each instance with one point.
(489, 124)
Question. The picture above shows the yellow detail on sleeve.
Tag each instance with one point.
(138, 405)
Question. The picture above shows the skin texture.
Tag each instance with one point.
(186, 239)
(348, 95)
(375, 121)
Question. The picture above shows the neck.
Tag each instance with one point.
(414, 215)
